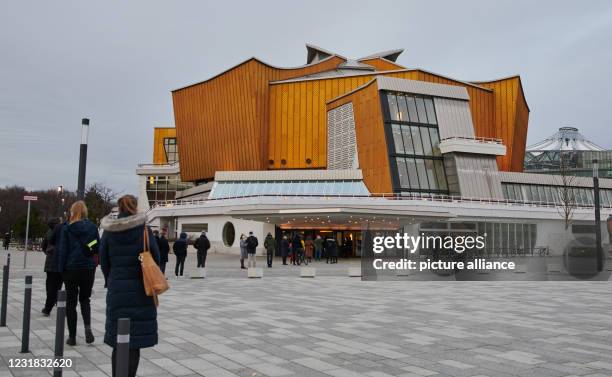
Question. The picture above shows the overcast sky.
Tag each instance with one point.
(117, 61)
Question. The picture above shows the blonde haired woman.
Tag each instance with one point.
(79, 241)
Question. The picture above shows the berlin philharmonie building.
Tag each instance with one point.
(340, 146)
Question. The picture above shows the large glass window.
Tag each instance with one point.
(414, 130)
(397, 138)
(171, 149)
(391, 99)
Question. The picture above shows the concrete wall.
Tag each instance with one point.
(215, 232)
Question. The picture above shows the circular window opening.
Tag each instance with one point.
(229, 234)
(283, 161)
(308, 161)
(271, 162)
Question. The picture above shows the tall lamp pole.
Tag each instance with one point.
(83, 158)
(597, 215)
(60, 195)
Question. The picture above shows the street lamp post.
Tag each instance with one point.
(597, 216)
(60, 195)
(83, 158)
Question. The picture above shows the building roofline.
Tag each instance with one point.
(384, 54)
(261, 62)
(304, 78)
(351, 92)
(508, 78)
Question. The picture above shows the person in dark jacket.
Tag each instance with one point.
(251, 244)
(243, 251)
(297, 248)
(164, 249)
(284, 249)
(270, 246)
(202, 245)
(79, 241)
(121, 244)
(7, 240)
(331, 251)
(319, 244)
(54, 280)
(180, 251)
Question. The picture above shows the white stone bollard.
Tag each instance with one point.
(354, 272)
(307, 272)
(198, 273)
(255, 272)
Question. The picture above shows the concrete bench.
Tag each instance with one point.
(255, 273)
(198, 273)
(354, 272)
(307, 272)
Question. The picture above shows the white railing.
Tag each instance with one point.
(423, 197)
(492, 140)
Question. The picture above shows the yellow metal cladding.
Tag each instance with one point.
(511, 118)
(161, 133)
(370, 136)
(245, 119)
(298, 117)
(222, 123)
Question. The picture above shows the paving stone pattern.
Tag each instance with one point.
(333, 325)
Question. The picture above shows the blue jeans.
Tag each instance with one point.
(318, 253)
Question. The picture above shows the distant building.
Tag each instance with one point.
(570, 146)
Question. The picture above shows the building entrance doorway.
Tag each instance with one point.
(349, 241)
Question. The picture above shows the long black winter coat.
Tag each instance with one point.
(50, 245)
(164, 248)
(121, 244)
(284, 247)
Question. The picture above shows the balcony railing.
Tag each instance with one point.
(491, 140)
(420, 197)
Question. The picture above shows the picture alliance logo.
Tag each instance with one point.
(404, 241)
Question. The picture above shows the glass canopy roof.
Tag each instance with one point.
(232, 189)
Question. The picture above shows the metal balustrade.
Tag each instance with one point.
(421, 197)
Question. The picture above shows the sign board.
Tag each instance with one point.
(30, 197)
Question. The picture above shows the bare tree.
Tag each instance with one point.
(567, 193)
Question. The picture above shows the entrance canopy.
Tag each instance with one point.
(313, 212)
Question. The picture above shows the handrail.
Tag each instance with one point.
(388, 196)
(476, 138)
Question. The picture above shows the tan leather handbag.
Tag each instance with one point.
(155, 282)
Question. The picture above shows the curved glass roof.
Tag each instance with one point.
(234, 189)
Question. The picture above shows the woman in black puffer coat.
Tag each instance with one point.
(121, 244)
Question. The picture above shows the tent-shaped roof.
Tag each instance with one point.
(566, 139)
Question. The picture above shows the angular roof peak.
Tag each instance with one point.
(391, 55)
(316, 53)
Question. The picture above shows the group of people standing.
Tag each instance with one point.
(296, 246)
(74, 250)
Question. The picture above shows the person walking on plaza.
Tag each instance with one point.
(54, 280)
(7, 240)
(164, 249)
(202, 245)
(270, 246)
(180, 251)
(309, 249)
(347, 248)
(79, 242)
(121, 244)
(251, 244)
(284, 249)
(296, 245)
(319, 243)
(243, 250)
(331, 251)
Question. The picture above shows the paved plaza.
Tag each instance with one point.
(333, 325)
